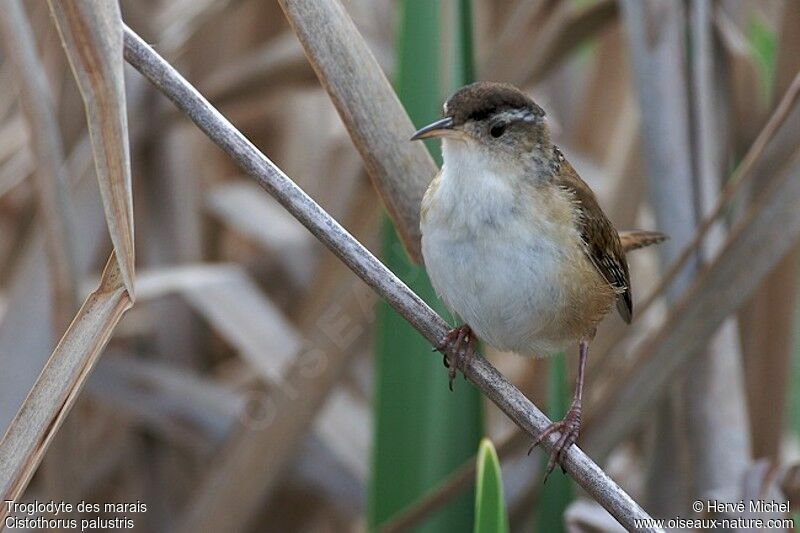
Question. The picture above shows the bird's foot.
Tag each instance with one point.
(460, 341)
(569, 428)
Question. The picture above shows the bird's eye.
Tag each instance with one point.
(498, 129)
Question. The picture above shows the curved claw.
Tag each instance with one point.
(569, 428)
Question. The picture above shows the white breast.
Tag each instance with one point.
(493, 262)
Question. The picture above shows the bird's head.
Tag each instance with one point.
(496, 120)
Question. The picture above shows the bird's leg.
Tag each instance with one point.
(570, 425)
(461, 341)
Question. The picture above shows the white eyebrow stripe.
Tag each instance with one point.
(517, 114)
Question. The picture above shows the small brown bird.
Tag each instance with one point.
(514, 240)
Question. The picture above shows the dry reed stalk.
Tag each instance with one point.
(34, 93)
(590, 476)
(328, 318)
(745, 172)
(717, 292)
(92, 36)
(656, 48)
(92, 33)
(363, 96)
(738, 180)
(258, 451)
(714, 395)
(49, 401)
(37, 105)
(767, 338)
(26, 338)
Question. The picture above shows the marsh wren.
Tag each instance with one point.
(514, 241)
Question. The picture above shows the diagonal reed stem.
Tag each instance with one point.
(507, 397)
(741, 176)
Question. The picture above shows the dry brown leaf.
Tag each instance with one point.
(235, 307)
(243, 208)
(186, 408)
(92, 36)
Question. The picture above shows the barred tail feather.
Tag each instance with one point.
(635, 239)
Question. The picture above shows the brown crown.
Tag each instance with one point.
(482, 99)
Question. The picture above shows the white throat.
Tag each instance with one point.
(476, 189)
(475, 167)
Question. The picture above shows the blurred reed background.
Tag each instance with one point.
(258, 385)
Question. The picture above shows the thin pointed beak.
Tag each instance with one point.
(440, 128)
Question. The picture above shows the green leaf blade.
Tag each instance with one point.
(422, 430)
(490, 509)
(557, 496)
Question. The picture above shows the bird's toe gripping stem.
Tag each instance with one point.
(461, 342)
